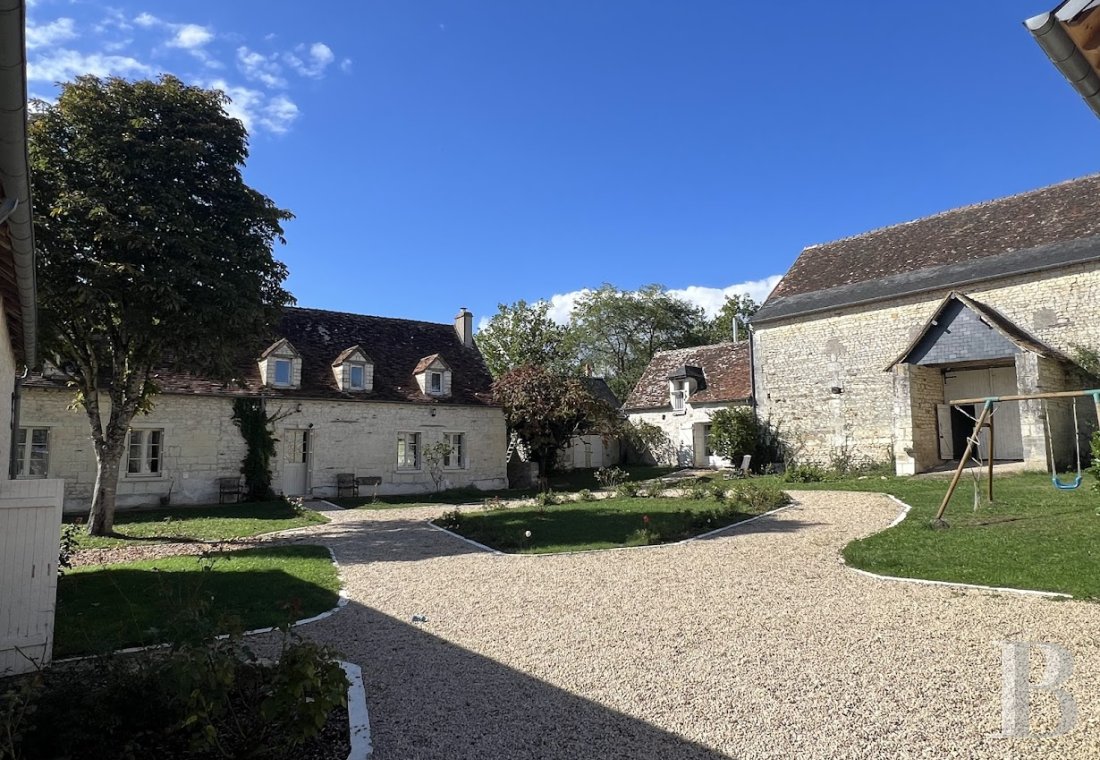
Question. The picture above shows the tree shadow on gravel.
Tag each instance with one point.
(429, 698)
(388, 541)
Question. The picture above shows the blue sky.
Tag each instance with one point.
(440, 154)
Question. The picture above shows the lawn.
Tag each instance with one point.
(1032, 537)
(102, 608)
(605, 524)
(569, 481)
(209, 523)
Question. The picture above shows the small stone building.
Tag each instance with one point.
(352, 394)
(864, 341)
(680, 390)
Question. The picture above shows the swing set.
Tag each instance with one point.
(984, 421)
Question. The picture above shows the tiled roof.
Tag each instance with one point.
(725, 367)
(955, 240)
(599, 388)
(428, 361)
(395, 345)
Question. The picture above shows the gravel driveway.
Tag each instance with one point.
(757, 643)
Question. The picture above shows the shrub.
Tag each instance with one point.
(65, 548)
(759, 497)
(546, 499)
(737, 431)
(644, 537)
(697, 490)
(492, 504)
(805, 473)
(204, 699)
(628, 489)
(585, 495)
(656, 489)
(451, 520)
(1095, 469)
(610, 477)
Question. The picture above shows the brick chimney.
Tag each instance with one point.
(464, 326)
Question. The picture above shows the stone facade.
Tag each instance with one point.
(201, 444)
(685, 431)
(824, 378)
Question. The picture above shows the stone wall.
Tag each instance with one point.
(201, 444)
(823, 377)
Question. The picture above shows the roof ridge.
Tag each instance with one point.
(368, 316)
(949, 212)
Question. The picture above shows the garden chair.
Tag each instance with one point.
(230, 487)
(743, 470)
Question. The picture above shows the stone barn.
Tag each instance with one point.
(864, 341)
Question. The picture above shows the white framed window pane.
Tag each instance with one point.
(455, 455)
(137, 447)
(282, 372)
(356, 377)
(39, 460)
(152, 457)
(21, 450)
(437, 381)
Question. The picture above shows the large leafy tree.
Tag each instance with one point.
(546, 409)
(520, 334)
(731, 322)
(152, 250)
(618, 331)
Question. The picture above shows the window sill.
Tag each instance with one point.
(146, 476)
(32, 477)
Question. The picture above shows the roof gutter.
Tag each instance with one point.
(14, 163)
(1049, 30)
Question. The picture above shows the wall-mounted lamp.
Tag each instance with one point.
(298, 408)
(433, 411)
(836, 389)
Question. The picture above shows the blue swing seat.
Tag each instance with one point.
(1066, 486)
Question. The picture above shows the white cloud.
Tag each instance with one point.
(257, 109)
(345, 65)
(58, 30)
(61, 65)
(190, 36)
(709, 299)
(259, 67)
(319, 57)
(147, 20)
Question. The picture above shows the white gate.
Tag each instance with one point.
(30, 523)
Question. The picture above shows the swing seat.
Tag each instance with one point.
(1066, 486)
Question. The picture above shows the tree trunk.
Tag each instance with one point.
(101, 517)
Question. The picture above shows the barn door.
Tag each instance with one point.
(943, 428)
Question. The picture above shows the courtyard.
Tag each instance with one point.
(757, 642)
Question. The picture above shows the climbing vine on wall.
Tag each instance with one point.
(250, 415)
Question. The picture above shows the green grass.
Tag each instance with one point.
(102, 608)
(210, 523)
(569, 481)
(605, 524)
(1033, 536)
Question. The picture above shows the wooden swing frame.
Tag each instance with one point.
(985, 419)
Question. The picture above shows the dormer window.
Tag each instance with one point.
(678, 395)
(354, 370)
(433, 375)
(281, 366)
(284, 369)
(681, 384)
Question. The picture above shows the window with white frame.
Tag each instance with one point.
(435, 382)
(456, 450)
(357, 377)
(145, 451)
(408, 451)
(678, 395)
(283, 371)
(32, 452)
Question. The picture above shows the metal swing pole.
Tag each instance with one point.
(987, 409)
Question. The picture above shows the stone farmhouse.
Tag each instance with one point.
(353, 395)
(30, 512)
(862, 343)
(680, 390)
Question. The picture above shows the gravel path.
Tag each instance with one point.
(755, 644)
